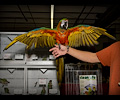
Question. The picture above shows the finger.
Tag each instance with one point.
(57, 56)
(56, 45)
(52, 49)
(54, 52)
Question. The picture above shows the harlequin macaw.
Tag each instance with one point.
(80, 35)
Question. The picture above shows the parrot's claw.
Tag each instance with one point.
(59, 46)
(67, 48)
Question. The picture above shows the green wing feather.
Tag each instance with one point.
(86, 35)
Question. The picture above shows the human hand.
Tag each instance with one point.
(58, 52)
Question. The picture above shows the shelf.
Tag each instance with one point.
(18, 62)
(46, 63)
(11, 62)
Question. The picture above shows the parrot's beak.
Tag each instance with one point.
(64, 24)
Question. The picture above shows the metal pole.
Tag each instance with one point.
(52, 14)
(25, 81)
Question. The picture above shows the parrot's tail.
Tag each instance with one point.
(60, 70)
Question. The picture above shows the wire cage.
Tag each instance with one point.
(79, 79)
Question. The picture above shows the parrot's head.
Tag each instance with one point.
(64, 23)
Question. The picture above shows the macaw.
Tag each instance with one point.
(80, 35)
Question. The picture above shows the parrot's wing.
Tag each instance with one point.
(39, 37)
(83, 35)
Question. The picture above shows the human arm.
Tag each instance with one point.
(79, 54)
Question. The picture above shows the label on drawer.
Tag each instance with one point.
(19, 56)
(53, 91)
(17, 91)
(42, 81)
(7, 56)
(32, 91)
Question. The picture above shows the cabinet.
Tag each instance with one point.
(25, 70)
(24, 77)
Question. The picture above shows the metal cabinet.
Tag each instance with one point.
(24, 78)
(23, 73)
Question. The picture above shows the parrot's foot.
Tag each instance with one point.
(59, 46)
(67, 48)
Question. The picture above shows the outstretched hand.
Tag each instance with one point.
(58, 52)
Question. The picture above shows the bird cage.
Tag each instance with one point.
(83, 79)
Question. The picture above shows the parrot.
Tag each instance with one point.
(43, 91)
(6, 90)
(91, 89)
(79, 35)
(4, 81)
